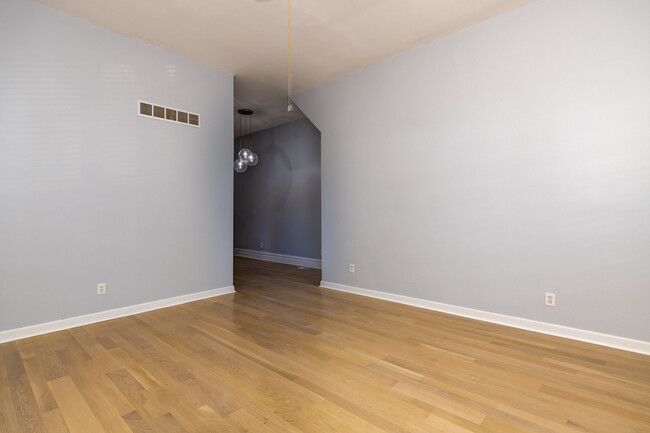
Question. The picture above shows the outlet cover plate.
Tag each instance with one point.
(549, 299)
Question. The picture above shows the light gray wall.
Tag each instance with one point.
(89, 191)
(278, 201)
(503, 161)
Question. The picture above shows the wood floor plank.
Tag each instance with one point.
(245, 421)
(54, 422)
(146, 404)
(37, 379)
(8, 414)
(136, 423)
(440, 401)
(284, 355)
(106, 403)
(203, 419)
(28, 413)
(168, 424)
(52, 366)
(78, 416)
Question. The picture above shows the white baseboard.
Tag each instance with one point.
(73, 322)
(278, 258)
(502, 319)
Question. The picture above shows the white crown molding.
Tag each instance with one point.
(623, 343)
(73, 322)
(278, 258)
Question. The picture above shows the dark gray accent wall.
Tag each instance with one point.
(91, 192)
(498, 163)
(277, 202)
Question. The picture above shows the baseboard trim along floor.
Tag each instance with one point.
(278, 258)
(73, 322)
(623, 343)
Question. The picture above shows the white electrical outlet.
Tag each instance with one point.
(352, 267)
(549, 300)
(101, 288)
(261, 244)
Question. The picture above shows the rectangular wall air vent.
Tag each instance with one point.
(154, 111)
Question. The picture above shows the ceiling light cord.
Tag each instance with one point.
(249, 137)
(240, 132)
(289, 61)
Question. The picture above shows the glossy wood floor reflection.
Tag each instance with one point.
(282, 355)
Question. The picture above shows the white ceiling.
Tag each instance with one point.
(248, 38)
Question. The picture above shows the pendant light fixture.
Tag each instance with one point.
(240, 166)
(246, 157)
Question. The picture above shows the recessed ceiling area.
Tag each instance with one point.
(248, 38)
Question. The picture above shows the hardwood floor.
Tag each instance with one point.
(282, 355)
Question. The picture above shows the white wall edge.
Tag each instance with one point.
(87, 319)
(278, 258)
(622, 343)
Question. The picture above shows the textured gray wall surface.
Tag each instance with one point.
(91, 192)
(277, 202)
(498, 163)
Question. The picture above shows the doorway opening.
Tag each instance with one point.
(277, 202)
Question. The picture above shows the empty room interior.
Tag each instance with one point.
(382, 216)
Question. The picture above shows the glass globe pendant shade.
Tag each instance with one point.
(240, 166)
(244, 154)
(252, 159)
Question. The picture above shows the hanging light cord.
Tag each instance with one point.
(240, 132)
(250, 128)
(289, 62)
(249, 132)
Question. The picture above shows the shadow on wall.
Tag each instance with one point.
(277, 202)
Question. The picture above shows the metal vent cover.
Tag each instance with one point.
(160, 112)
